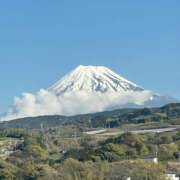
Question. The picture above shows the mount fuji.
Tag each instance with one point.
(101, 82)
(87, 89)
(93, 79)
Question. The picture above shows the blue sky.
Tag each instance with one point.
(42, 40)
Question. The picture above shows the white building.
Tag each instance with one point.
(152, 159)
(172, 177)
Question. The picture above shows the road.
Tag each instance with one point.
(106, 132)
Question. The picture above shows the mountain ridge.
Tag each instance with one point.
(168, 113)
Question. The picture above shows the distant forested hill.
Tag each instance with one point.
(169, 113)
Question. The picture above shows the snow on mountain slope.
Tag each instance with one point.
(102, 84)
(93, 79)
(87, 89)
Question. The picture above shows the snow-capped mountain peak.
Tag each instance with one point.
(93, 79)
(87, 89)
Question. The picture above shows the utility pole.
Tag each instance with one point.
(75, 136)
(42, 127)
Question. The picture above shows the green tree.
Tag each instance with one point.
(119, 150)
(37, 152)
(75, 170)
(166, 151)
(166, 139)
(137, 170)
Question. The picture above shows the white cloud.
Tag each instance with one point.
(47, 103)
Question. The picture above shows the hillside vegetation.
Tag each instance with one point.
(169, 114)
(66, 154)
(58, 147)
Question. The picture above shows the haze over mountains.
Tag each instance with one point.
(87, 89)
